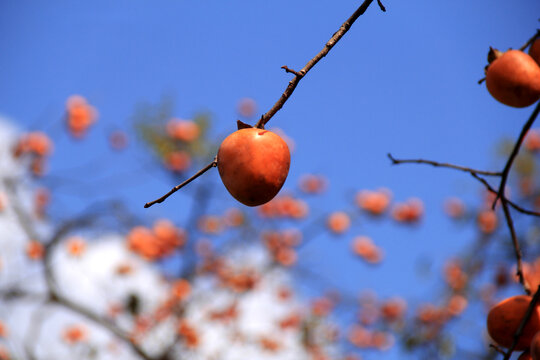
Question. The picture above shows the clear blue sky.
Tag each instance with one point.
(402, 82)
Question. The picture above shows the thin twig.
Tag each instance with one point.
(497, 349)
(179, 186)
(531, 40)
(515, 151)
(311, 63)
(286, 68)
(511, 203)
(515, 243)
(517, 335)
(445, 165)
(24, 219)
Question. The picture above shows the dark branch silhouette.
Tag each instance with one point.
(515, 151)
(179, 186)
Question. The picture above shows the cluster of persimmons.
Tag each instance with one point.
(253, 164)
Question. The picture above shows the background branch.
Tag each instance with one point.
(445, 165)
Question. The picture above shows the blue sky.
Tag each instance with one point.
(403, 82)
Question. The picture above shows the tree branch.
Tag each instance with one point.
(311, 63)
(515, 151)
(445, 165)
(531, 40)
(179, 186)
(515, 243)
(511, 203)
(56, 297)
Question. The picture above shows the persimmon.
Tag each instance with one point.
(79, 115)
(74, 334)
(247, 107)
(338, 222)
(532, 141)
(487, 221)
(393, 309)
(456, 304)
(534, 51)
(4, 353)
(189, 334)
(75, 246)
(3, 330)
(374, 202)
(181, 289)
(526, 355)
(35, 250)
(535, 347)
(504, 318)
(454, 207)
(513, 79)
(184, 130)
(291, 321)
(312, 184)
(178, 161)
(286, 256)
(408, 212)
(253, 165)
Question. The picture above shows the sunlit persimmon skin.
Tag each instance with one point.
(514, 79)
(504, 318)
(535, 347)
(253, 165)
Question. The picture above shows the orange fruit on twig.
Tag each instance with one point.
(504, 318)
(253, 164)
(513, 79)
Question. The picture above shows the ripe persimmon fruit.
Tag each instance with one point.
(504, 318)
(253, 165)
(513, 79)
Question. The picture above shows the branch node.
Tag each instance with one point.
(288, 70)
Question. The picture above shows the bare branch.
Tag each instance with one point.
(284, 67)
(311, 63)
(445, 165)
(22, 216)
(511, 203)
(56, 297)
(497, 349)
(515, 151)
(515, 243)
(179, 186)
(531, 40)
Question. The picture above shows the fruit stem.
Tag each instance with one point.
(179, 186)
(531, 40)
